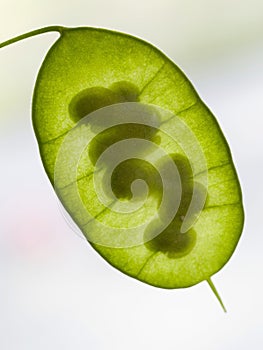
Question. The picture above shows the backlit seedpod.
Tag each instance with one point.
(136, 158)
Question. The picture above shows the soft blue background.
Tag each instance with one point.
(56, 292)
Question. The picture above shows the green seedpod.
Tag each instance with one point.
(136, 158)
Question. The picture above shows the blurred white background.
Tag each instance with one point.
(55, 291)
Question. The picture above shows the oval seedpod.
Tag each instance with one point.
(136, 158)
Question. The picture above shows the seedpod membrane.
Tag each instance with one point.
(136, 158)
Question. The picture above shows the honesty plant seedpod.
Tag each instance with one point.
(136, 158)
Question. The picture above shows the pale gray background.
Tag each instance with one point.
(56, 292)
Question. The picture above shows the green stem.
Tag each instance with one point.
(33, 33)
(212, 286)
